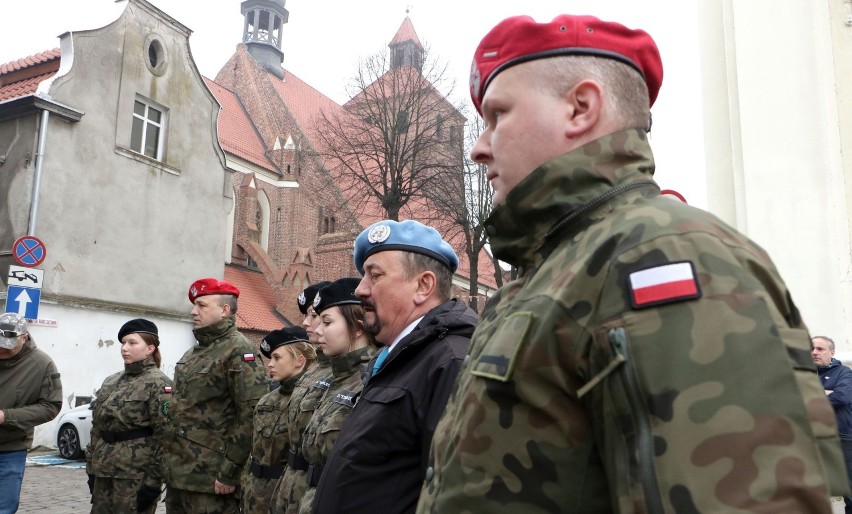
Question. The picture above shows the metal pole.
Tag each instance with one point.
(39, 163)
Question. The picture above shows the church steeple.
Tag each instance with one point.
(405, 48)
(264, 22)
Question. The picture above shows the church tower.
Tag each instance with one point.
(405, 48)
(264, 23)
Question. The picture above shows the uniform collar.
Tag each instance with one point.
(136, 368)
(209, 334)
(565, 186)
(342, 365)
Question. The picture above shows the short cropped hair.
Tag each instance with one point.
(826, 338)
(414, 263)
(624, 88)
(230, 300)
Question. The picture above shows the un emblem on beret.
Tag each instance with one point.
(302, 298)
(316, 301)
(264, 346)
(379, 234)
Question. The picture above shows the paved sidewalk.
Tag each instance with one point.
(57, 489)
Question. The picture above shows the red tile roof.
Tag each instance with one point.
(22, 77)
(405, 33)
(256, 307)
(237, 133)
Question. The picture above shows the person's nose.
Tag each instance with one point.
(481, 150)
(362, 291)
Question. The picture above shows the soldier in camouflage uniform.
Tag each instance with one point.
(649, 358)
(289, 356)
(123, 457)
(306, 395)
(349, 348)
(217, 384)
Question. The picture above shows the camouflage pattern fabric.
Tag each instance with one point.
(112, 495)
(579, 398)
(132, 399)
(217, 384)
(304, 400)
(334, 406)
(190, 502)
(269, 446)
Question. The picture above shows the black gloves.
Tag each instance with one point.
(91, 482)
(145, 497)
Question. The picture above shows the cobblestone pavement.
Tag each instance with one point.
(57, 489)
(60, 489)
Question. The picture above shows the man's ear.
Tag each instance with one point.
(427, 282)
(585, 102)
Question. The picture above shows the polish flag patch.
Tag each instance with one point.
(669, 283)
(167, 389)
(248, 357)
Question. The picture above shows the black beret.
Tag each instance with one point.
(306, 297)
(137, 326)
(281, 337)
(339, 292)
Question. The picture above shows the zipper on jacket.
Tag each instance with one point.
(644, 437)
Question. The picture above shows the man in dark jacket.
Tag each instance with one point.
(379, 460)
(30, 394)
(837, 381)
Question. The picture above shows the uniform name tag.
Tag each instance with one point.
(323, 383)
(668, 283)
(345, 397)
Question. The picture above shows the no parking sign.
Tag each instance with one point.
(29, 251)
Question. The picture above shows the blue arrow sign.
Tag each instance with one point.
(23, 301)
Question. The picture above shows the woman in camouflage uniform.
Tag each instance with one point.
(304, 399)
(349, 348)
(290, 355)
(123, 457)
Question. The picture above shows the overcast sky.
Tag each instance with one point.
(325, 38)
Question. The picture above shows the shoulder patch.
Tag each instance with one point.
(167, 389)
(248, 357)
(660, 285)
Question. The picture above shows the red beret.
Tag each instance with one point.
(205, 286)
(520, 39)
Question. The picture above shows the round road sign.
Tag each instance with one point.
(29, 251)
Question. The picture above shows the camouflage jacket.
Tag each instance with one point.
(132, 399)
(217, 384)
(269, 445)
(30, 394)
(592, 387)
(332, 410)
(304, 400)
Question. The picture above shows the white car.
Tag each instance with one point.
(73, 431)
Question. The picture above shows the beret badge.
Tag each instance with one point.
(264, 346)
(317, 300)
(302, 300)
(194, 291)
(379, 234)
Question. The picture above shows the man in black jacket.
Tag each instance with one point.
(379, 460)
(837, 381)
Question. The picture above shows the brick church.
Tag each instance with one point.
(291, 225)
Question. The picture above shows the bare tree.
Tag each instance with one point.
(399, 134)
(467, 212)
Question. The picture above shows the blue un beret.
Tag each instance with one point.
(407, 236)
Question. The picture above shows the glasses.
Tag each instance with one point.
(10, 333)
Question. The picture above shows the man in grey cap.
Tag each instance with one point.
(30, 394)
(379, 460)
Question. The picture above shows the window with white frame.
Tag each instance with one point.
(148, 131)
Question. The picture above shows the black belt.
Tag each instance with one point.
(116, 437)
(296, 461)
(268, 472)
(314, 474)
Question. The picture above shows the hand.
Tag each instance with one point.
(146, 496)
(221, 488)
(91, 482)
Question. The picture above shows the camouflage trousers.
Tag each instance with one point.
(288, 492)
(256, 494)
(179, 501)
(117, 495)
